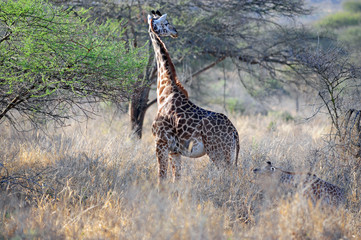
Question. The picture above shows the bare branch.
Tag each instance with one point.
(205, 69)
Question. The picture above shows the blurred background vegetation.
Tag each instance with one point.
(345, 24)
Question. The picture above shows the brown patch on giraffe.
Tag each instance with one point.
(161, 99)
(190, 121)
(161, 89)
(182, 121)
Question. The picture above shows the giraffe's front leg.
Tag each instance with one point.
(162, 157)
(176, 166)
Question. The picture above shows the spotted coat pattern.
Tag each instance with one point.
(313, 187)
(181, 128)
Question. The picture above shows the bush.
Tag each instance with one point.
(52, 60)
(352, 6)
(341, 19)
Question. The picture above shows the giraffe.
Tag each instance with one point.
(181, 128)
(313, 187)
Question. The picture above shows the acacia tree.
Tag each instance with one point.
(53, 61)
(210, 32)
(343, 94)
(336, 80)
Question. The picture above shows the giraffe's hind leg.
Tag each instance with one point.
(216, 151)
(176, 165)
(219, 157)
(162, 157)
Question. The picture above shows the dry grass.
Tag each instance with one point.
(90, 181)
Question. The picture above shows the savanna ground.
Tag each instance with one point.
(91, 181)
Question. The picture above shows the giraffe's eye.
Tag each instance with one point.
(272, 169)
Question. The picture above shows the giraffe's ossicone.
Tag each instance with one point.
(181, 128)
(312, 187)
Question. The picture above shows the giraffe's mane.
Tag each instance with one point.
(171, 65)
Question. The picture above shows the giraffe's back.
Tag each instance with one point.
(319, 189)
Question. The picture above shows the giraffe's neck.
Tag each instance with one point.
(167, 82)
(287, 177)
(290, 177)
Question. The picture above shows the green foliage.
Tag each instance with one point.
(269, 87)
(45, 51)
(235, 105)
(283, 115)
(352, 35)
(352, 6)
(341, 19)
(345, 25)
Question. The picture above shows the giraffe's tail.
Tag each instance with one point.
(236, 147)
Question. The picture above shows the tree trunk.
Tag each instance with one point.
(138, 104)
(137, 109)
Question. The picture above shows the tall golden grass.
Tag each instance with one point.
(91, 181)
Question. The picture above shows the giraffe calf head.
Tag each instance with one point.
(266, 170)
(161, 26)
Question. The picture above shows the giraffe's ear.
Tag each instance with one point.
(162, 18)
(152, 12)
(157, 12)
(269, 163)
(149, 18)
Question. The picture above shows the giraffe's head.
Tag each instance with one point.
(159, 25)
(267, 169)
